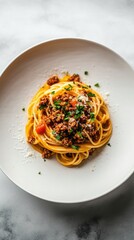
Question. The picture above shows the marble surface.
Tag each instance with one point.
(23, 24)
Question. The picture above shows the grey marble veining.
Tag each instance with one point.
(23, 24)
(23, 216)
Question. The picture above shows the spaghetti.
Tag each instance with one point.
(68, 118)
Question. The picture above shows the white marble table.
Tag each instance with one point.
(23, 24)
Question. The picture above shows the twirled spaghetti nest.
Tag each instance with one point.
(68, 118)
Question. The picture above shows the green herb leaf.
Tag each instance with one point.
(97, 85)
(86, 72)
(79, 111)
(53, 132)
(57, 107)
(92, 116)
(80, 134)
(66, 118)
(77, 116)
(23, 109)
(53, 92)
(109, 144)
(85, 87)
(56, 102)
(71, 130)
(75, 147)
(42, 106)
(80, 108)
(67, 115)
(90, 94)
(58, 137)
(39, 173)
(69, 88)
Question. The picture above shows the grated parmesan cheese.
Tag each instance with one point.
(29, 154)
(83, 98)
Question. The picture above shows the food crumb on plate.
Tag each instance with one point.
(29, 154)
(107, 93)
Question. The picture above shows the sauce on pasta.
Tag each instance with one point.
(68, 118)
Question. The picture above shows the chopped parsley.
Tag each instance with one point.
(85, 87)
(90, 94)
(66, 118)
(53, 132)
(23, 109)
(53, 92)
(69, 87)
(67, 115)
(71, 130)
(42, 106)
(57, 107)
(39, 173)
(56, 103)
(97, 85)
(86, 72)
(92, 116)
(80, 108)
(109, 144)
(75, 147)
(80, 134)
(77, 115)
(79, 111)
(58, 137)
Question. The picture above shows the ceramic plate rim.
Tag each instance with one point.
(10, 66)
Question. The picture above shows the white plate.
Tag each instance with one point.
(109, 167)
